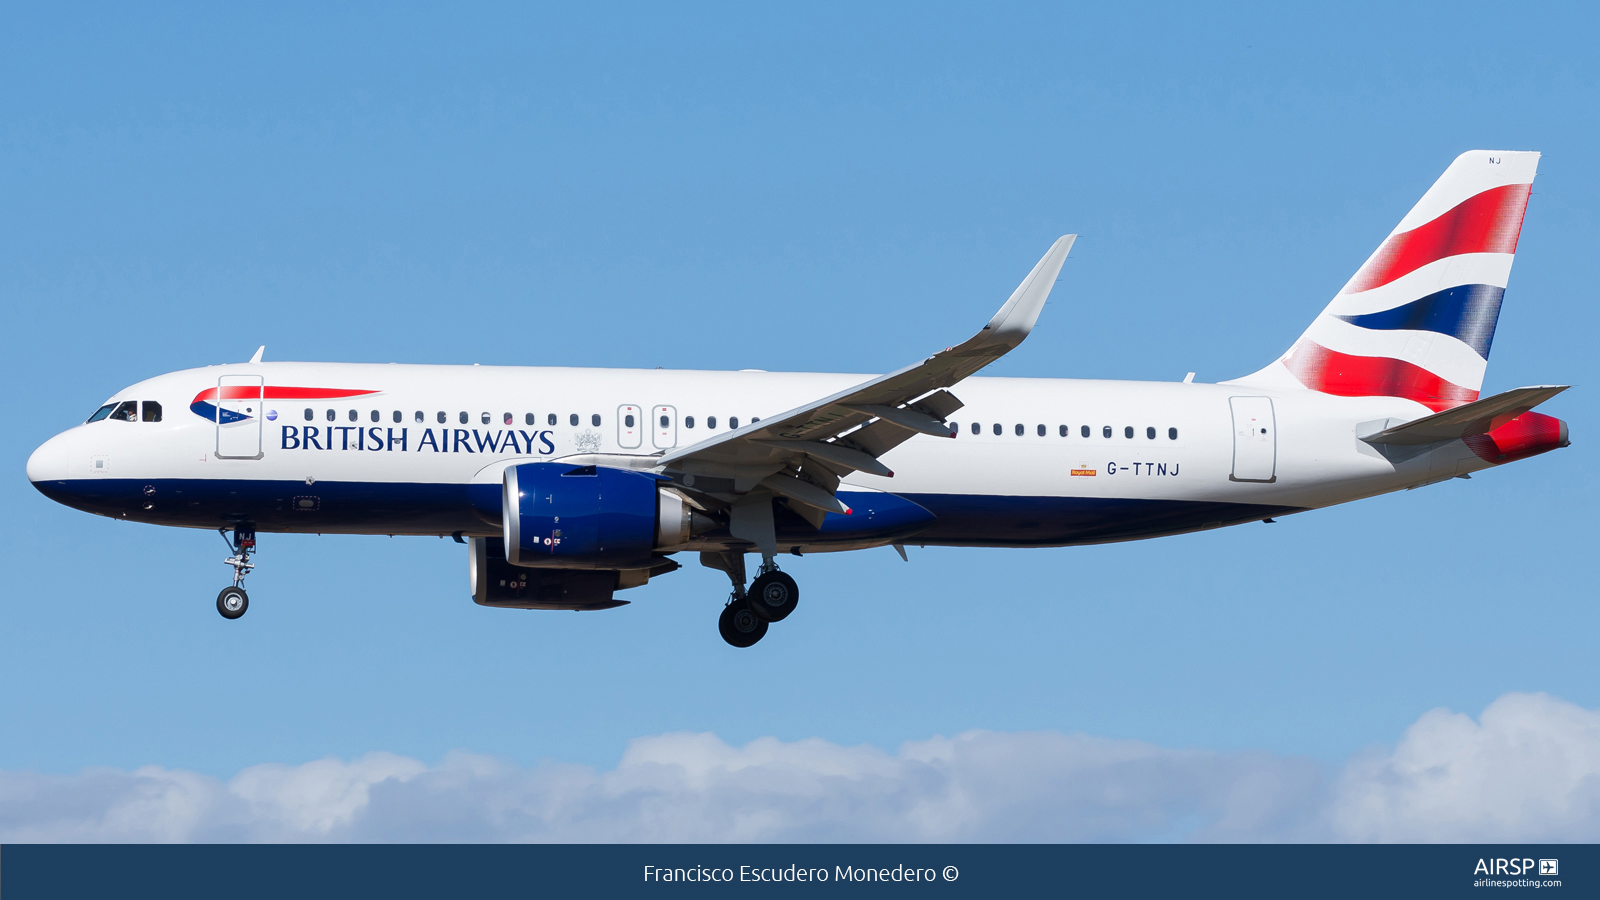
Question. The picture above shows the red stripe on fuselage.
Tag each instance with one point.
(1331, 372)
(1489, 222)
(274, 392)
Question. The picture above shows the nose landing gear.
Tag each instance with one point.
(233, 602)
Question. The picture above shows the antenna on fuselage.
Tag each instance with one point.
(259, 350)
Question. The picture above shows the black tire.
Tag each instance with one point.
(740, 626)
(773, 596)
(233, 602)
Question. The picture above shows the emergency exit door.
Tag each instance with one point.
(1255, 439)
(665, 432)
(630, 430)
(239, 416)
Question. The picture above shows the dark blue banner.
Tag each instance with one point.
(344, 871)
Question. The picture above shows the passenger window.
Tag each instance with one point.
(1150, 433)
(550, 419)
(462, 417)
(628, 421)
(397, 417)
(573, 420)
(440, 417)
(1172, 434)
(733, 422)
(508, 419)
(594, 420)
(1041, 431)
(152, 411)
(332, 415)
(1084, 431)
(353, 415)
(976, 428)
(420, 417)
(688, 421)
(1127, 432)
(754, 419)
(102, 412)
(1106, 431)
(1019, 429)
(528, 419)
(998, 430)
(376, 417)
(665, 421)
(1063, 431)
(308, 414)
(711, 421)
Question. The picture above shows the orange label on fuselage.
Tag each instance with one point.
(1083, 471)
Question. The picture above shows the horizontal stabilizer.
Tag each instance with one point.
(1477, 417)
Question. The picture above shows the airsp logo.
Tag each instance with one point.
(1514, 867)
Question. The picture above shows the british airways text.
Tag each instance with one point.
(448, 440)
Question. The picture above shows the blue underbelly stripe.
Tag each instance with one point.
(423, 508)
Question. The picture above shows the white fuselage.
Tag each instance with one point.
(989, 486)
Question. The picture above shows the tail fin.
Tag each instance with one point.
(1417, 319)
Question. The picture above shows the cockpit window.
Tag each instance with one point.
(126, 411)
(102, 412)
(152, 411)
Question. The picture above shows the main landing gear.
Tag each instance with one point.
(233, 602)
(772, 596)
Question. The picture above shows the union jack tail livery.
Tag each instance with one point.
(1417, 319)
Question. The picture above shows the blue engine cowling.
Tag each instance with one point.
(564, 516)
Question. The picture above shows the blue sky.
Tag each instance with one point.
(811, 188)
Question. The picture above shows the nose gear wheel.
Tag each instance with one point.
(233, 601)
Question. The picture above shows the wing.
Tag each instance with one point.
(801, 454)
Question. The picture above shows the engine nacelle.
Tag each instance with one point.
(557, 515)
(496, 582)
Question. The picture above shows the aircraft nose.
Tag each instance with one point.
(49, 462)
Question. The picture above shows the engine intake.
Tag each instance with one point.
(563, 516)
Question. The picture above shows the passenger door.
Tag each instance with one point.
(1255, 439)
(630, 431)
(239, 416)
(664, 427)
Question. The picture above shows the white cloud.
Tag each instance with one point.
(1527, 769)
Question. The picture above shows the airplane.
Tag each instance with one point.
(568, 487)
